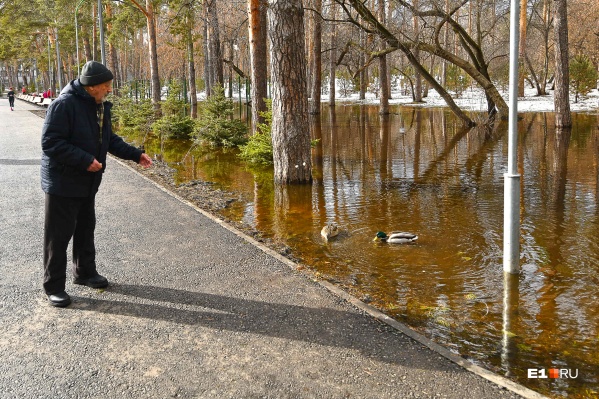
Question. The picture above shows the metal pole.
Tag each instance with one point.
(77, 37)
(101, 27)
(511, 204)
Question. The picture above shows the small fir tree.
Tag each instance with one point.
(583, 76)
(175, 122)
(131, 114)
(216, 125)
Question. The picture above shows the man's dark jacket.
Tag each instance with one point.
(71, 141)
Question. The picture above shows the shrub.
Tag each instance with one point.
(258, 150)
(216, 125)
(174, 126)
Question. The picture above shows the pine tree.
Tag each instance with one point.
(583, 76)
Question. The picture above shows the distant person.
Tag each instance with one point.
(73, 161)
(45, 94)
(24, 90)
(49, 93)
(11, 98)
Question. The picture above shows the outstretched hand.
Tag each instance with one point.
(145, 160)
(95, 166)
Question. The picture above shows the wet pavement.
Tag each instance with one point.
(195, 309)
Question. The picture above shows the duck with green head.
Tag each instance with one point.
(396, 237)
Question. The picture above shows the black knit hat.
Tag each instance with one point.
(94, 73)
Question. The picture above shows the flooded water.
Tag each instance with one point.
(420, 171)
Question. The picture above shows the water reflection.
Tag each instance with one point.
(509, 348)
(421, 171)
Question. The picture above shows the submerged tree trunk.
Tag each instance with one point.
(563, 118)
(290, 127)
(258, 35)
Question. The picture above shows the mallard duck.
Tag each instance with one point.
(329, 231)
(396, 237)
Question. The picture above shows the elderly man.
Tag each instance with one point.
(76, 137)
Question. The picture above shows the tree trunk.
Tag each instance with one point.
(191, 66)
(316, 67)
(94, 34)
(418, 77)
(561, 100)
(257, 26)
(215, 58)
(383, 73)
(546, 31)
(229, 70)
(445, 44)
(333, 55)
(290, 127)
(86, 46)
(363, 69)
(522, 48)
(150, 18)
(112, 60)
(207, 77)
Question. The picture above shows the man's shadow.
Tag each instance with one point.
(321, 326)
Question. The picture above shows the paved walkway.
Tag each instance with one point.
(194, 309)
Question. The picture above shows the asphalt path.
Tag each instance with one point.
(194, 309)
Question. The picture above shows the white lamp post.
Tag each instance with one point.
(511, 204)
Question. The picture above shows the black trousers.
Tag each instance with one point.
(67, 218)
(11, 101)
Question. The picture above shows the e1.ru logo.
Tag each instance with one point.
(553, 373)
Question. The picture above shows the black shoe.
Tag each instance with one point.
(60, 299)
(96, 281)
